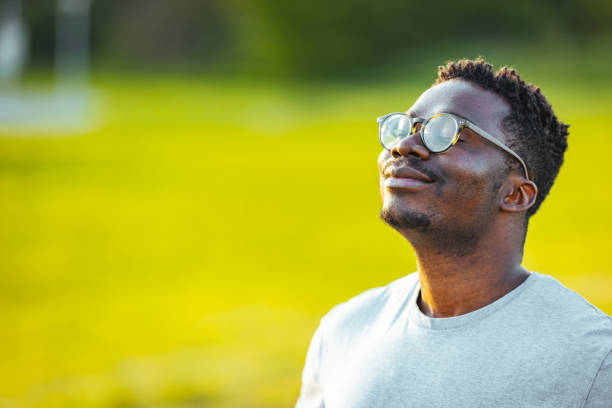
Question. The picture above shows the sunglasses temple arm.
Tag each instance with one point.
(500, 145)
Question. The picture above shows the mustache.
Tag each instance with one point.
(415, 163)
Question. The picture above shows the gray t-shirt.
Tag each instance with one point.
(541, 345)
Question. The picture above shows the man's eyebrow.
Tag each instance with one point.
(411, 114)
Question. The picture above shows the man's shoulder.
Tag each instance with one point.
(559, 300)
(363, 310)
(560, 310)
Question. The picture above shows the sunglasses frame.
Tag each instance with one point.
(460, 124)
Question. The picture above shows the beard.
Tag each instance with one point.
(406, 219)
(449, 240)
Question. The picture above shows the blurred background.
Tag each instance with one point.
(171, 227)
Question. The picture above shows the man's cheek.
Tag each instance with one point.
(382, 158)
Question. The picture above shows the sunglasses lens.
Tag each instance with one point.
(393, 129)
(439, 133)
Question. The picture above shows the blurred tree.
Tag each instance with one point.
(162, 33)
(41, 25)
(319, 37)
(315, 37)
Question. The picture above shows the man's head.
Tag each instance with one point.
(468, 187)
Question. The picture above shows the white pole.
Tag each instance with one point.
(13, 42)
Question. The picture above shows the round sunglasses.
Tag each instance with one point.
(439, 133)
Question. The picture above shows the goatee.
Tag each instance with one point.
(406, 220)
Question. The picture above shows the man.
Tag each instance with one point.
(462, 172)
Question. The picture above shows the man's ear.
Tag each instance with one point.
(519, 194)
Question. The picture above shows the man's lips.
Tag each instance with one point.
(404, 177)
(405, 172)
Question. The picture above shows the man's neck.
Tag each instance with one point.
(452, 285)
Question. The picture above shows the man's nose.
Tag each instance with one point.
(411, 144)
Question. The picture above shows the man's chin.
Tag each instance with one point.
(406, 219)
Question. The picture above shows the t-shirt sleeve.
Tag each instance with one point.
(600, 395)
(311, 395)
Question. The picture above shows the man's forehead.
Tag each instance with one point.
(465, 99)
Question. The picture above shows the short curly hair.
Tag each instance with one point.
(535, 132)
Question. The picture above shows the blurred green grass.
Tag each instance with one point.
(183, 253)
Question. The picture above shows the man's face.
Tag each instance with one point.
(460, 193)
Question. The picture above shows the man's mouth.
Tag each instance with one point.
(405, 178)
(406, 172)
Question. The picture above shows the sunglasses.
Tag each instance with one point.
(438, 133)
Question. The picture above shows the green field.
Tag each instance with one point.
(182, 253)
